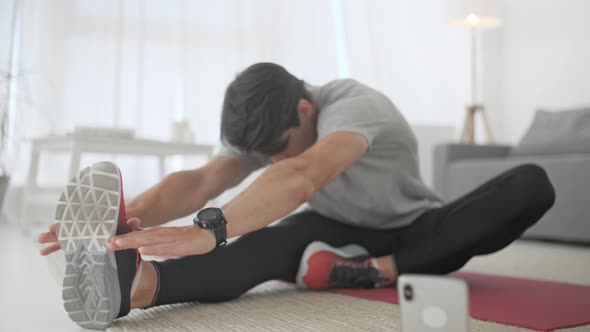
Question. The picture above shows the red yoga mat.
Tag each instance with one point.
(532, 304)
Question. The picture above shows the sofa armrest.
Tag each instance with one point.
(445, 154)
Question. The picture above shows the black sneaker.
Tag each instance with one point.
(97, 282)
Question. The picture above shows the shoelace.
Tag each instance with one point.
(354, 274)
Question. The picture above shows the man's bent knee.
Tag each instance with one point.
(538, 186)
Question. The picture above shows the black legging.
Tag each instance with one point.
(440, 241)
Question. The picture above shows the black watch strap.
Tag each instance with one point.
(220, 235)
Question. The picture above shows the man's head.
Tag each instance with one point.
(268, 110)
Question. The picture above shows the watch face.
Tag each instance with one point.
(209, 214)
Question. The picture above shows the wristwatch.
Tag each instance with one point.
(213, 220)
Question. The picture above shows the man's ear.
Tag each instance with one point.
(305, 109)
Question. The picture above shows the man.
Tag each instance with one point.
(343, 148)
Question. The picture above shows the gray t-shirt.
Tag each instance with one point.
(383, 189)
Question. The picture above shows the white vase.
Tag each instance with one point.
(182, 132)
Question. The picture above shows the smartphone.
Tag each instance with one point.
(433, 303)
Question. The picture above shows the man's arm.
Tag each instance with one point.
(287, 184)
(279, 190)
(182, 193)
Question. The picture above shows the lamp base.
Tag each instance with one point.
(468, 135)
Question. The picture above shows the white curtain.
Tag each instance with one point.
(143, 63)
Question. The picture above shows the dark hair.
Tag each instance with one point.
(260, 104)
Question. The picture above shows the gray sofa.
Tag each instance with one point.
(459, 168)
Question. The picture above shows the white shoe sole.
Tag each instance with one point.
(86, 218)
(348, 251)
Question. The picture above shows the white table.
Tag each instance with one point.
(76, 145)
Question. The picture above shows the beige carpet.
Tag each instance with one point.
(276, 306)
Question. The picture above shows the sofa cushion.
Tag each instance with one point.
(556, 133)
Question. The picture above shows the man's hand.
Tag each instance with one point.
(166, 241)
(51, 237)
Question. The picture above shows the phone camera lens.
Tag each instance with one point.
(408, 292)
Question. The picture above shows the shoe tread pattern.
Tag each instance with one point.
(86, 217)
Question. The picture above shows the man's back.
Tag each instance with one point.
(384, 188)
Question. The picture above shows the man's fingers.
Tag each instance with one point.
(50, 249)
(134, 223)
(140, 239)
(143, 232)
(47, 237)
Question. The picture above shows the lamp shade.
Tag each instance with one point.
(481, 14)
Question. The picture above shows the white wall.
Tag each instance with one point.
(540, 58)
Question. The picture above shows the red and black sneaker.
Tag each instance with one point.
(326, 267)
(97, 283)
